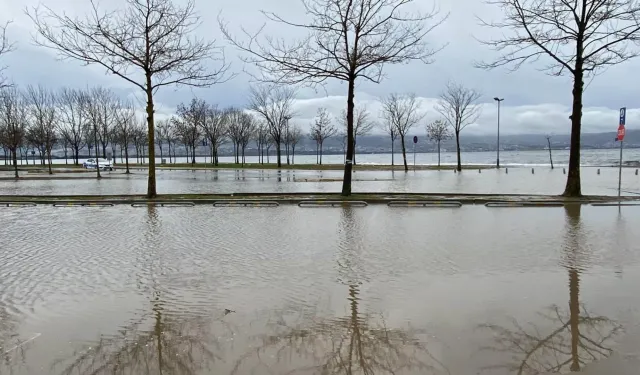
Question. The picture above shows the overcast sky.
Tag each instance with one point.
(534, 102)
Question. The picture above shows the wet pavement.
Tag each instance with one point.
(374, 290)
(543, 180)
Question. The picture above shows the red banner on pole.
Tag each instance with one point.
(621, 132)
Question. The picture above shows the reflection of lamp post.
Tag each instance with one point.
(498, 148)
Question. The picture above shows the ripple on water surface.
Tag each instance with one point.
(247, 290)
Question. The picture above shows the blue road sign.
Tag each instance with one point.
(623, 115)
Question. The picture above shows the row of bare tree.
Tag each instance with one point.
(149, 44)
(39, 119)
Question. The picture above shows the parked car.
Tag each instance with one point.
(104, 164)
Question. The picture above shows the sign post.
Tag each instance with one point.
(415, 140)
(621, 133)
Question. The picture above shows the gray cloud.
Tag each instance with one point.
(535, 102)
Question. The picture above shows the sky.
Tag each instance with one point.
(535, 103)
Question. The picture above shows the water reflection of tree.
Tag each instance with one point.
(13, 348)
(358, 343)
(158, 342)
(578, 338)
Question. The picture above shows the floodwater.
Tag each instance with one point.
(543, 180)
(538, 158)
(289, 290)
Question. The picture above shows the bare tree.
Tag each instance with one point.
(106, 108)
(362, 125)
(192, 118)
(162, 133)
(44, 119)
(214, 129)
(240, 128)
(295, 136)
(403, 111)
(391, 130)
(346, 40)
(71, 104)
(247, 129)
(322, 129)
(577, 38)
(262, 140)
(273, 103)
(437, 132)
(549, 145)
(99, 114)
(124, 129)
(5, 47)
(13, 122)
(457, 106)
(146, 43)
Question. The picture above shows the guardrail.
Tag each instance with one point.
(163, 204)
(83, 204)
(323, 203)
(246, 203)
(426, 203)
(17, 204)
(524, 204)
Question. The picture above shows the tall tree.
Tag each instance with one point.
(322, 129)
(44, 119)
(240, 128)
(273, 103)
(577, 38)
(148, 43)
(214, 130)
(437, 132)
(363, 124)
(403, 111)
(5, 47)
(346, 40)
(124, 129)
(72, 108)
(13, 122)
(457, 104)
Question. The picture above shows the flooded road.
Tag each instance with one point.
(490, 181)
(375, 290)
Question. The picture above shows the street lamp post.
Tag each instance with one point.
(498, 145)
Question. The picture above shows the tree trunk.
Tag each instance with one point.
(392, 158)
(348, 165)
(404, 153)
(161, 156)
(459, 168)
(49, 160)
(151, 184)
(126, 158)
(15, 162)
(320, 153)
(293, 154)
(77, 154)
(354, 150)
(104, 150)
(279, 154)
(438, 154)
(95, 139)
(573, 188)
